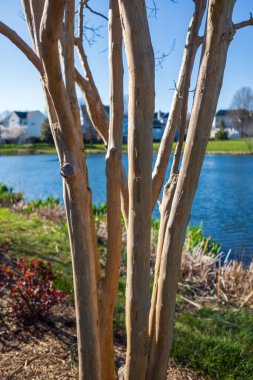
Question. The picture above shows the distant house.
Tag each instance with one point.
(159, 124)
(32, 120)
(236, 122)
(89, 132)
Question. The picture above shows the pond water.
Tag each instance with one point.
(223, 202)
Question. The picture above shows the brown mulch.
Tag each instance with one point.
(42, 351)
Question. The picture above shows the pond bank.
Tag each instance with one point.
(233, 147)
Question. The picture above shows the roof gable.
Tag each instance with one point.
(21, 115)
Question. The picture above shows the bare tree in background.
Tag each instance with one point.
(242, 104)
(149, 325)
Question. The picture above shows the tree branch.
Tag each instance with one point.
(243, 24)
(84, 4)
(69, 61)
(36, 7)
(28, 16)
(95, 106)
(113, 186)
(22, 45)
(77, 195)
(181, 88)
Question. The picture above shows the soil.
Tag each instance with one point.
(45, 350)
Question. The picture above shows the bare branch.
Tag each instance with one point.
(153, 10)
(113, 185)
(82, 27)
(96, 13)
(160, 58)
(51, 62)
(95, 108)
(28, 16)
(84, 4)
(243, 24)
(22, 45)
(69, 64)
(91, 32)
(191, 46)
(36, 7)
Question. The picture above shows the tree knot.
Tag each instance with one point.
(67, 170)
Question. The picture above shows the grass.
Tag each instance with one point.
(218, 343)
(237, 146)
(32, 237)
(36, 148)
(228, 146)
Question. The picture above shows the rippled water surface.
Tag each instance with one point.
(223, 203)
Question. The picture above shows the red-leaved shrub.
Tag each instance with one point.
(29, 289)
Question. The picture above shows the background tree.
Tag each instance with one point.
(242, 103)
(14, 135)
(46, 134)
(221, 134)
(52, 28)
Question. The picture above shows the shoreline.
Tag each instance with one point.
(227, 147)
(31, 152)
(28, 153)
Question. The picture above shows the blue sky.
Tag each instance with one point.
(20, 87)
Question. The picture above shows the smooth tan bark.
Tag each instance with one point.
(165, 208)
(180, 107)
(76, 196)
(219, 33)
(113, 174)
(95, 107)
(140, 60)
(180, 95)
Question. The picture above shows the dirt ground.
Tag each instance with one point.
(43, 351)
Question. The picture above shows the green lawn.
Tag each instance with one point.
(217, 343)
(36, 148)
(229, 146)
(238, 146)
(32, 237)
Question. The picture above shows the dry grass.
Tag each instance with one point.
(207, 280)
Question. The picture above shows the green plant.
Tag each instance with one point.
(195, 238)
(34, 205)
(99, 212)
(222, 133)
(8, 196)
(155, 224)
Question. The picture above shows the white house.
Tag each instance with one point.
(233, 120)
(33, 120)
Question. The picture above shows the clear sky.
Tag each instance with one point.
(20, 87)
